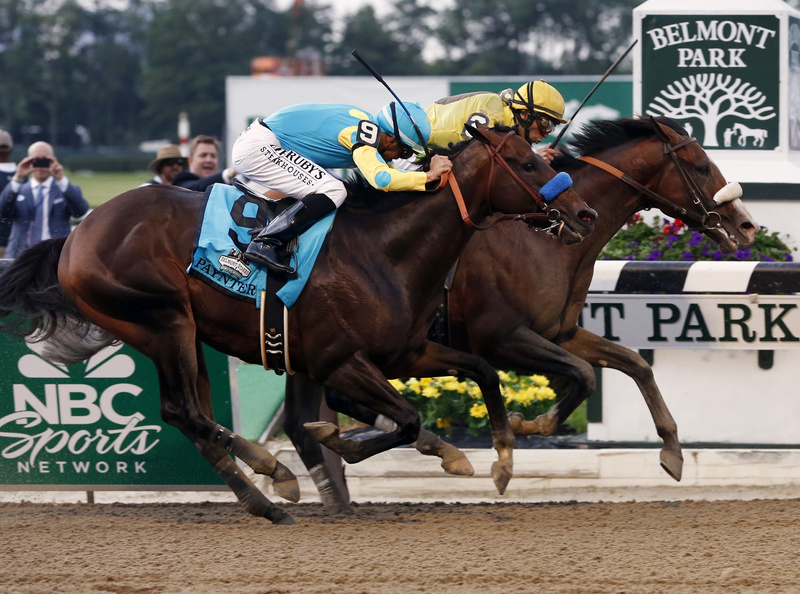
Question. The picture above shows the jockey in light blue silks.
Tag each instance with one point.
(292, 150)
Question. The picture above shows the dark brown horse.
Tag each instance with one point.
(361, 319)
(516, 295)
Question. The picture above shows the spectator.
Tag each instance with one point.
(203, 165)
(168, 163)
(39, 207)
(7, 171)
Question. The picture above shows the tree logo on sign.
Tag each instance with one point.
(711, 97)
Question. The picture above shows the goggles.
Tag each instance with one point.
(546, 125)
(172, 162)
(406, 152)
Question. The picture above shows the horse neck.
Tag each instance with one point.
(615, 201)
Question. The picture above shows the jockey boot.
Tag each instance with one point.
(265, 248)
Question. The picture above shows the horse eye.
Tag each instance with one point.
(529, 166)
(704, 169)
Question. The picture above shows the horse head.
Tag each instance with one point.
(705, 200)
(519, 181)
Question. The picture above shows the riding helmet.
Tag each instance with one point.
(394, 121)
(537, 97)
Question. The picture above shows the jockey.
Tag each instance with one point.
(536, 107)
(292, 150)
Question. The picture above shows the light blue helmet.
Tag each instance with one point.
(394, 121)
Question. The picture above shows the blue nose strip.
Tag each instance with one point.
(555, 186)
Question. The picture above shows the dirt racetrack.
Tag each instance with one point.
(680, 546)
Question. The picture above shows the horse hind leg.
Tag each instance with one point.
(178, 365)
(257, 458)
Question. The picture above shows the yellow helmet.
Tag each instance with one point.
(538, 97)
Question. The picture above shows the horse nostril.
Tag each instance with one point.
(587, 215)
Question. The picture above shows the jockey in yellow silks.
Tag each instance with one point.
(536, 107)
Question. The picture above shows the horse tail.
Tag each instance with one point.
(33, 305)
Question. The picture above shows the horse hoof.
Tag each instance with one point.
(321, 430)
(286, 520)
(672, 464)
(457, 464)
(285, 484)
(515, 419)
(501, 474)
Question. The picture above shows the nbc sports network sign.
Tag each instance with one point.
(718, 75)
(96, 424)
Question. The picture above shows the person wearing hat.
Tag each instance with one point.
(7, 170)
(535, 109)
(39, 200)
(168, 163)
(203, 164)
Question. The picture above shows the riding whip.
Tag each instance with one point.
(605, 76)
(379, 78)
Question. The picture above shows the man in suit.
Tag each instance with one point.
(203, 164)
(39, 200)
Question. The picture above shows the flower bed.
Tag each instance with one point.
(666, 240)
(445, 402)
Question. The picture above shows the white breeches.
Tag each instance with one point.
(257, 154)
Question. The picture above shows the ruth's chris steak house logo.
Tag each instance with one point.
(60, 424)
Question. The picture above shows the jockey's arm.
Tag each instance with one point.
(382, 176)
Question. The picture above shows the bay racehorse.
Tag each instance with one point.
(362, 317)
(516, 296)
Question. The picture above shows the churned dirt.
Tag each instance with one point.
(650, 547)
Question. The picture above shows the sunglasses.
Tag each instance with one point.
(171, 162)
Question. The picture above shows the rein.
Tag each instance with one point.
(698, 199)
(548, 214)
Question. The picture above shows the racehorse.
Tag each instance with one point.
(516, 295)
(362, 317)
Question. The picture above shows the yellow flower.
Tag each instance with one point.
(443, 423)
(540, 380)
(504, 377)
(397, 385)
(478, 411)
(547, 393)
(475, 392)
(431, 392)
(450, 384)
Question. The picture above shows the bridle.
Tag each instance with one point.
(548, 214)
(706, 220)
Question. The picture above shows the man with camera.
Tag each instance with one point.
(39, 200)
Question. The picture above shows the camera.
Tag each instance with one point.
(42, 162)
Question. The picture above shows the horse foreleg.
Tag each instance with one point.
(600, 352)
(526, 352)
(429, 444)
(437, 360)
(362, 381)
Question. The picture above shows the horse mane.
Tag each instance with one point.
(600, 135)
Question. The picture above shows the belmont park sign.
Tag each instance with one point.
(716, 74)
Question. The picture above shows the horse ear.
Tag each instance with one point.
(659, 130)
(475, 133)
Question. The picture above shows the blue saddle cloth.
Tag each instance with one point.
(222, 236)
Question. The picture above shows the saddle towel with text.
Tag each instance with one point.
(222, 236)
